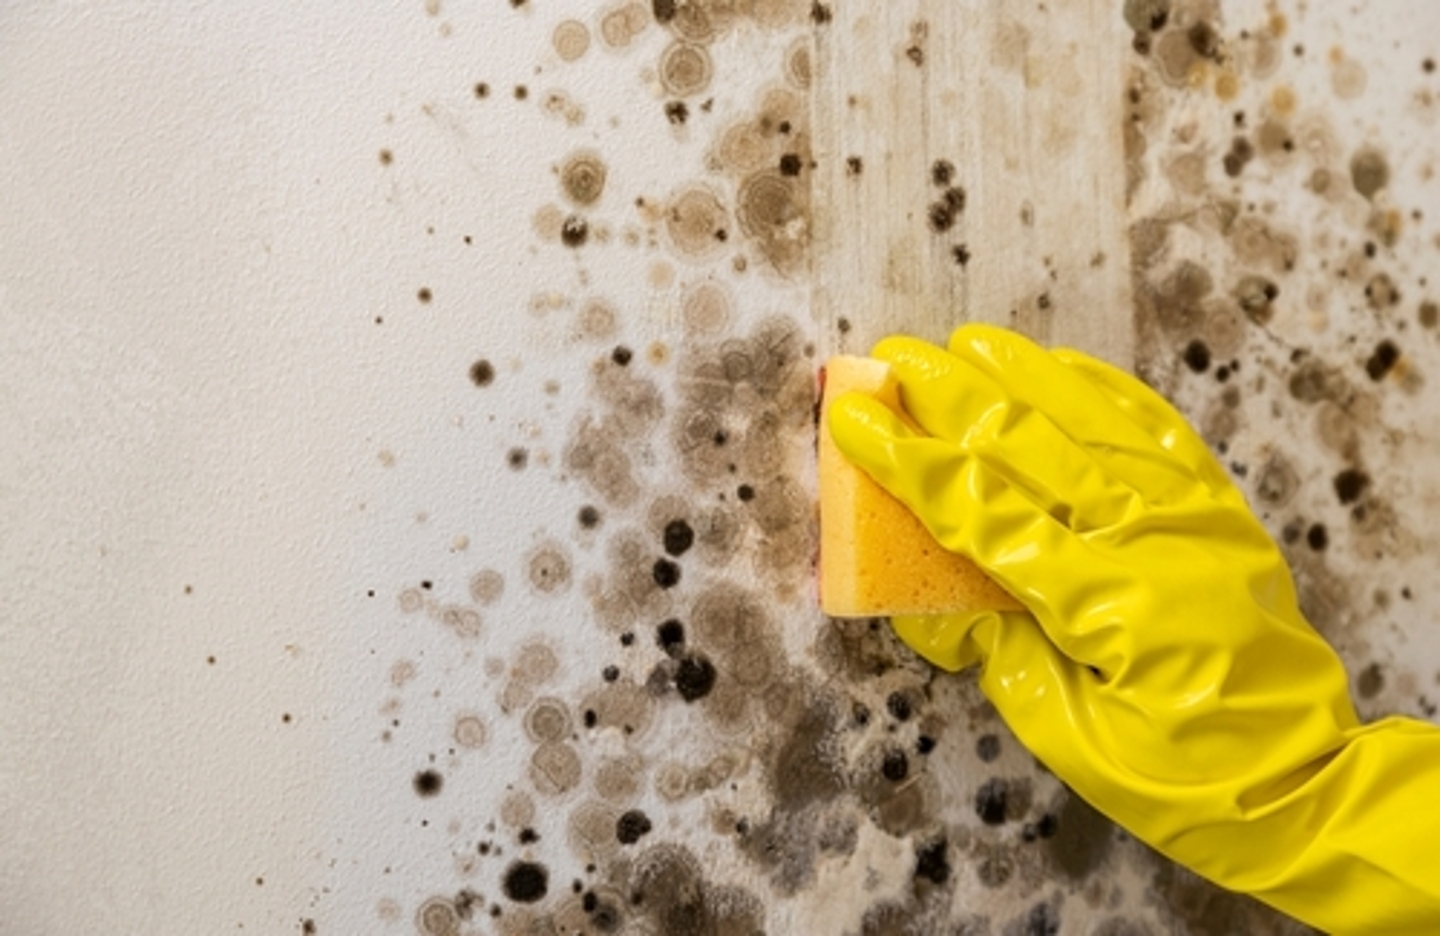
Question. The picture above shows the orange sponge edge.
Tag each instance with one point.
(876, 557)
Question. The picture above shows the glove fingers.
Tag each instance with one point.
(1036, 379)
(1153, 414)
(954, 401)
(972, 509)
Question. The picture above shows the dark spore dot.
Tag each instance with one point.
(1428, 65)
(482, 373)
(666, 573)
(1222, 373)
(820, 13)
(664, 10)
(529, 836)
(424, 294)
(1317, 537)
(694, 678)
(941, 172)
(590, 718)
(955, 199)
(941, 217)
(1370, 249)
(308, 928)
(931, 862)
(961, 254)
(678, 537)
(386, 157)
(860, 712)
(632, 826)
(517, 458)
(525, 881)
(588, 517)
(671, 636)
(482, 90)
(990, 801)
(1382, 360)
(676, 112)
(621, 355)
(1048, 825)
(1241, 152)
(1350, 484)
(924, 744)
(1203, 39)
(427, 584)
(574, 231)
(610, 673)
(521, 92)
(627, 639)
(1370, 681)
(605, 917)
(895, 766)
(898, 705)
(1197, 356)
(854, 165)
(428, 782)
(517, 4)
(843, 325)
(790, 165)
(745, 492)
(1042, 920)
(987, 747)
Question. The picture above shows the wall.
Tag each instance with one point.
(407, 438)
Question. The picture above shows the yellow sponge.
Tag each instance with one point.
(876, 557)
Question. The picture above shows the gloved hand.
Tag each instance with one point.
(1164, 670)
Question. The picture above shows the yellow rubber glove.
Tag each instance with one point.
(1164, 671)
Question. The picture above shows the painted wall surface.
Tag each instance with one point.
(406, 483)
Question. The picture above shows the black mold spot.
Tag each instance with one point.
(931, 862)
(1197, 356)
(990, 801)
(896, 766)
(790, 164)
(1241, 152)
(621, 355)
(941, 172)
(898, 704)
(924, 744)
(961, 254)
(664, 10)
(632, 826)
(676, 112)
(671, 636)
(666, 573)
(427, 783)
(528, 836)
(482, 373)
(424, 294)
(987, 748)
(526, 881)
(574, 232)
(482, 90)
(854, 165)
(588, 517)
(1382, 360)
(820, 13)
(678, 537)
(745, 492)
(1350, 484)
(517, 458)
(1256, 296)
(1042, 920)
(521, 92)
(694, 678)
(1203, 39)
(610, 673)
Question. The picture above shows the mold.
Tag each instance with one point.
(685, 70)
(582, 177)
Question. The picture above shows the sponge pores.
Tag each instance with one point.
(876, 557)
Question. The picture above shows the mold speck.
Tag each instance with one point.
(574, 231)
(427, 783)
(482, 373)
(631, 827)
(1350, 484)
(1369, 172)
(526, 881)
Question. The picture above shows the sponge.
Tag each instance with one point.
(876, 557)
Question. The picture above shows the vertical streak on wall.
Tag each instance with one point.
(971, 168)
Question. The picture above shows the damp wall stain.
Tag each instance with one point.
(605, 701)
